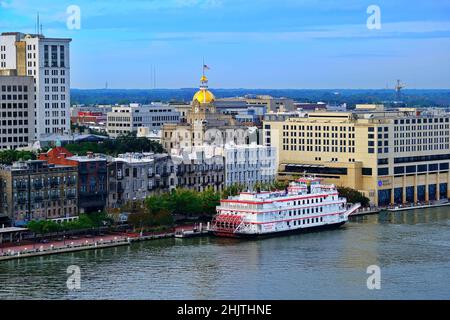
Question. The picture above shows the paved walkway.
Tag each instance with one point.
(26, 245)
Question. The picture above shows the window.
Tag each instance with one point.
(399, 170)
(383, 171)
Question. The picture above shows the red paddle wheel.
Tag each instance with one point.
(226, 224)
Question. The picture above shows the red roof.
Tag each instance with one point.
(58, 155)
(57, 151)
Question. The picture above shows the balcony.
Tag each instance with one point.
(22, 201)
(38, 186)
(71, 196)
(54, 197)
(38, 199)
(54, 184)
(71, 182)
(22, 186)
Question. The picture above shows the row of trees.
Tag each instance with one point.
(124, 143)
(10, 156)
(353, 196)
(85, 221)
(159, 210)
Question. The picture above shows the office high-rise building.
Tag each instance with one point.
(16, 111)
(47, 61)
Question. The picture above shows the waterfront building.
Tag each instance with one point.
(123, 119)
(47, 61)
(134, 176)
(36, 190)
(247, 165)
(16, 111)
(92, 176)
(199, 168)
(391, 155)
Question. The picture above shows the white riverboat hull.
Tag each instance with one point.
(281, 233)
(306, 205)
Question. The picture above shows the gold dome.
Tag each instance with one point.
(204, 96)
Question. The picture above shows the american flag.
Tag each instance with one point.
(205, 67)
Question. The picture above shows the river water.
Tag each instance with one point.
(412, 249)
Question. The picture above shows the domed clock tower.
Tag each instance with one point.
(202, 103)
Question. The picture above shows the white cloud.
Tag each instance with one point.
(398, 29)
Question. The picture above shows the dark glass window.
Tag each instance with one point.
(411, 169)
(399, 170)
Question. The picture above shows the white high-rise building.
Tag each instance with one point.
(48, 61)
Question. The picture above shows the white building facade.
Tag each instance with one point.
(249, 164)
(48, 61)
(123, 119)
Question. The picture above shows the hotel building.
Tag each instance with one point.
(391, 156)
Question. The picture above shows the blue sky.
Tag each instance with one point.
(247, 43)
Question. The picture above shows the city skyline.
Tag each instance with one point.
(293, 44)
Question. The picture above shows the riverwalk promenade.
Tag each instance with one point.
(10, 251)
(30, 249)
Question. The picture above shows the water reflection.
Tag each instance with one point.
(409, 247)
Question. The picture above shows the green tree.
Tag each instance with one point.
(353, 196)
(232, 190)
(185, 202)
(157, 203)
(10, 156)
(124, 143)
(209, 201)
